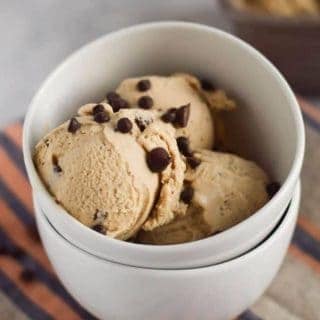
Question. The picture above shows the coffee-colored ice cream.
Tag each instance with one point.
(224, 190)
(100, 173)
(151, 132)
(165, 93)
(128, 168)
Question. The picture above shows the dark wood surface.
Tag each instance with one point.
(292, 44)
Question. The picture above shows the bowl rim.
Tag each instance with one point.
(290, 180)
(290, 214)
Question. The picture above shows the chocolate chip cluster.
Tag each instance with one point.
(158, 158)
(116, 102)
(179, 117)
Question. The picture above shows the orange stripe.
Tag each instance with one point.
(9, 222)
(309, 227)
(14, 132)
(305, 258)
(37, 292)
(15, 181)
(310, 110)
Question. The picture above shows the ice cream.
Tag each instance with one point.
(99, 172)
(140, 166)
(165, 94)
(222, 190)
(98, 175)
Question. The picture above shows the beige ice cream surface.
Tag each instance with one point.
(101, 166)
(227, 190)
(173, 92)
(103, 177)
(168, 206)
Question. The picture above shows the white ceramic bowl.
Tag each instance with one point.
(267, 127)
(114, 291)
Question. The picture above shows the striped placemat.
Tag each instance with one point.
(29, 288)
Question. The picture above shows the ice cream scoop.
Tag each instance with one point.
(114, 172)
(98, 174)
(222, 190)
(177, 97)
(153, 135)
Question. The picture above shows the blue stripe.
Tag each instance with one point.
(311, 102)
(249, 315)
(15, 205)
(28, 307)
(311, 122)
(14, 152)
(301, 238)
(26, 218)
(306, 243)
(45, 277)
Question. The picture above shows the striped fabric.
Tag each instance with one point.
(294, 294)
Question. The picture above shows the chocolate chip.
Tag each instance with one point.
(56, 167)
(207, 85)
(141, 124)
(158, 159)
(193, 162)
(183, 145)
(187, 195)
(99, 228)
(74, 125)
(119, 104)
(169, 116)
(123, 103)
(27, 274)
(98, 108)
(112, 96)
(145, 102)
(124, 125)
(182, 116)
(101, 117)
(272, 188)
(144, 85)
(116, 101)
(16, 252)
(54, 159)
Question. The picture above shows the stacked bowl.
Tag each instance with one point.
(214, 278)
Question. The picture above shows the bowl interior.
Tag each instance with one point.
(262, 129)
(267, 126)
